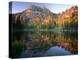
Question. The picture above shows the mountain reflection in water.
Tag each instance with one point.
(37, 44)
(53, 51)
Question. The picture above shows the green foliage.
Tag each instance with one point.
(17, 48)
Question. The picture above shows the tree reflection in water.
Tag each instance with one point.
(37, 44)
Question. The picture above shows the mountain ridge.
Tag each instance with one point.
(42, 16)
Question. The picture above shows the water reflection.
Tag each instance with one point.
(37, 44)
(57, 51)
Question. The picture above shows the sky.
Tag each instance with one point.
(17, 7)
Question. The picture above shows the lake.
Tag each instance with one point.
(44, 43)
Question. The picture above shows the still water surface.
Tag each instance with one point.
(47, 43)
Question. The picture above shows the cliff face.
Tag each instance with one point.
(68, 16)
(42, 16)
(36, 15)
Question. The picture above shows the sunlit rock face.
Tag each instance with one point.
(43, 16)
(36, 15)
(68, 16)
